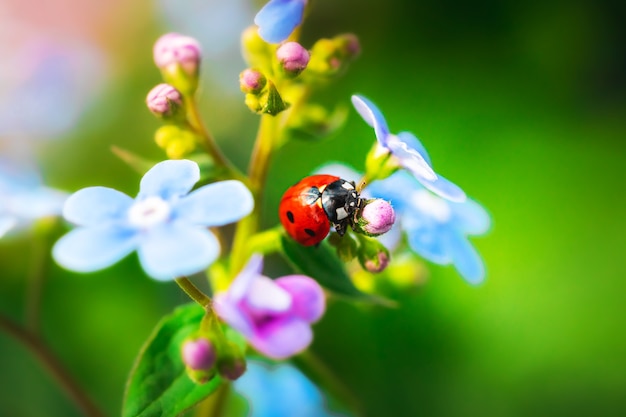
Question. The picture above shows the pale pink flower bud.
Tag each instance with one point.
(198, 354)
(377, 217)
(175, 49)
(251, 81)
(164, 100)
(293, 57)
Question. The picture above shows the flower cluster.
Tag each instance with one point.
(332, 223)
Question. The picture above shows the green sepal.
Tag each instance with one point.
(323, 265)
(177, 77)
(158, 384)
(273, 103)
(136, 162)
(379, 163)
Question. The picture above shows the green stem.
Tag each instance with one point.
(209, 144)
(52, 365)
(194, 292)
(257, 173)
(35, 282)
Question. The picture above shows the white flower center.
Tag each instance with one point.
(431, 205)
(148, 212)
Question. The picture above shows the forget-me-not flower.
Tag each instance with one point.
(280, 390)
(166, 224)
(408, 151)
(436, 228)
(278, 18)
(23, 197)
(275, 316)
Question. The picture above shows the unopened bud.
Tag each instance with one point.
(177, 142)
(349, 45)
(198, 354)
(178, 57)
(173, 48)
(164, 100)
(251, 81)
(378, 263)
(377, 217)
(293, 57)
(231, 364)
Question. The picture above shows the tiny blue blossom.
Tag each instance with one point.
(436, 228)
(166, 224)
(408, 151)
(280, 390)
(23, 197)
(278, 18)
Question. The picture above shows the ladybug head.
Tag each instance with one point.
(340, 200)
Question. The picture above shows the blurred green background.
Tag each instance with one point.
(521, 103)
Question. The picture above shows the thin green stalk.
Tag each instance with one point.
(35, 280)
(209, 144)
(257, 172)
(54, 367)
(215, 405)
(194, 292)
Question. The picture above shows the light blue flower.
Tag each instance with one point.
(278, 18)
(166, 225)
(280, 390)
(408, 151)
(23, 197)
(436, 228)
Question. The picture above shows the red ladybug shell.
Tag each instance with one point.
(301, 211)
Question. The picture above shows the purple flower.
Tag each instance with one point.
(274, 315)
(278, 18)
(436, 228)
(166, 225)
(408, 151)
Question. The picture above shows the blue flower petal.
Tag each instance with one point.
(280, 390)
(216, 204)
(446, 189)
(90, 249)
(413, 142)
(373, 117)
(465, 258)
(93, 205)
(168, 179)
(428, 241)
(471, 218)
(278, 18)
(6, 224)
(411, 159)
(177, 249)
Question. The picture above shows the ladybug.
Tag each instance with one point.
(308, 208)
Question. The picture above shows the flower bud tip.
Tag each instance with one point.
(293, 57)
(198, 354)
(163, 100)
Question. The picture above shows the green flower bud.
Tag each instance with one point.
(231, 363)
(177, 142)
(373, 255)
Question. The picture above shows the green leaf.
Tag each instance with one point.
(158, 384)
(322, 264)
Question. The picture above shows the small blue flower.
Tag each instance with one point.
(278, 18)
(280, 390)
(23, 198)
(166, 225)
(436, 228)
(408, 150)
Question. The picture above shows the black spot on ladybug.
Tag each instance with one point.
(309, 232)
(290, 217)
